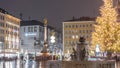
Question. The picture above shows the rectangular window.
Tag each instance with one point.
(35, 29)
(66, 26)
(72, 26)
(83, 31)
(40, 29)
(83, 25)
(76, 26)
(80, 31)
(69, 26)
(86, 31)
(3, 18)
(28, 29)
(86, 25)
(80, 25)
(90, 25)
(90, 30)
(31, 29)
(24, 29)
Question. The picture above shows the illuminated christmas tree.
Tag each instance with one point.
(107, 29)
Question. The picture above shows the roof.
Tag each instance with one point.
(35, 22)
(3, 11)
(82, 19)
(31, 22)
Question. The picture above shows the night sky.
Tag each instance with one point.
(56, 11)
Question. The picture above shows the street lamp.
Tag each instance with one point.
(52, 41)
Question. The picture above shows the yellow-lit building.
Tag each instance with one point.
(9, 32)
(73, 30)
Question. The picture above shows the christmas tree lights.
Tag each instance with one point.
(107, 29)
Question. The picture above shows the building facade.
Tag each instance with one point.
(73, 30)
(9, 32)
(2, 20)
(32, 36)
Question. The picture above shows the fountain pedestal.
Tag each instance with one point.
(44, 53)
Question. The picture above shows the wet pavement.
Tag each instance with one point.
(20, 64)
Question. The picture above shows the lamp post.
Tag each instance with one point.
(52, 41)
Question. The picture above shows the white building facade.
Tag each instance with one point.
(32, 36)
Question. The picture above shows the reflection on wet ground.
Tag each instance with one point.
(20, 64)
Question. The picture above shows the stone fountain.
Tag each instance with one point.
(80, 53)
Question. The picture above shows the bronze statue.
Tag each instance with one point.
(45, 21)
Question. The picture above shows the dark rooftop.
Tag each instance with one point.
(31, 22)
(3, 11)
(81, 19)
(35, 22)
